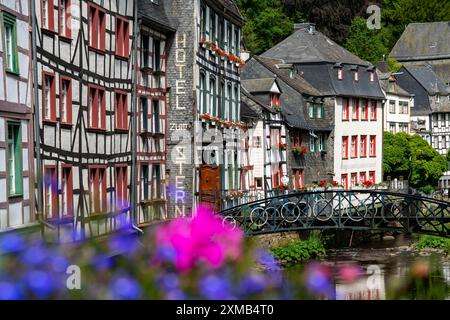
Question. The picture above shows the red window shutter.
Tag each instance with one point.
(119, 37)
(357, 109)
(68, 18)
(119, 187)
(103, 191)
(103, 106)
(97, 195)
(118, 110)
(94, 108)
(53, 98)
(102, 30)
(94, 26)
(126, 34)
(125, 184)
(51, 15)
(125, 111)
(69, 102)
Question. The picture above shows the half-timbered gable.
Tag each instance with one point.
(16, 130)
(85, 86)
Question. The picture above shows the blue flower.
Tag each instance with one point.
(125, 288)
(124, 244)
(58, 263)
(34, 255)
(168, 282)
(40, 283)
(9, 291)
(166, 254)
(11, 242)
(318, 279)
(176, 295)
(213, 287)
(253, 284)
(267, 260)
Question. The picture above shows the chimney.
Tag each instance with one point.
(310, 27)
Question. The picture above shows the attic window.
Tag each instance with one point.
(340, 73)
(292, 73)
(372, 76)
(391, 86)
(356, 75)
(438, 98)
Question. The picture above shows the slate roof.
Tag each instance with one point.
(422, 41)
(154, 13)
(305, 47)
(292, 99)
(384, 81)
(229, 8)
(258, 85)
(251, 106)
(323, 76)
(428, 79)
(297, 83)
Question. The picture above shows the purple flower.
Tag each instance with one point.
(318, 279)
(253, 284)
(267, 260)
(40, 283)
(58, 263)
(34, 255)
(11, 242)
(9, 291)
(103, 263)
(169, 282)
(166, 254)
(213, 287)
(125, 288)
(124, 244)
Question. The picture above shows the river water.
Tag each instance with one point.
(390, 270)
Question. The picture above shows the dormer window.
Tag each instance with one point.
(438, 99)
(391, 86)
(275, 100)
(372, 76)
(292, 73)
(356, 75)
(340, 73)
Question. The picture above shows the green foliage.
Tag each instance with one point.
(393, 65)
(298, 251)
(432, 242)
(365, 43)
(266, 24)
(411, 156)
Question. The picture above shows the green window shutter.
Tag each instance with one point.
(10, 20)
(223, 106)
(14, 143)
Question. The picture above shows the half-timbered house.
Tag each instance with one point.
(84, 87)
(154, 36)
(16, 130)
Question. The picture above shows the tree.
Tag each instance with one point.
(266, 24)
(364, 42)
(412, 157)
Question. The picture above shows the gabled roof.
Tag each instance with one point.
(298, 83)
(154, 13)
(385, 78)
(260, 85)
(304, 46)
(423, 41)
(428, 79)
(251, 106)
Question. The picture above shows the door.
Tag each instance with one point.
(210, 191)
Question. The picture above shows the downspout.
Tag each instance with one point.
(134, 126)
(37, 135)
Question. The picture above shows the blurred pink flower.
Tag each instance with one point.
(205, 238)
(350, 273)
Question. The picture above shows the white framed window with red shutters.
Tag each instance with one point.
(97, 27)
(50, 192)
(355, 116)
(65, 19)
(373, 110)
(65, 100)
(121, 186)
(66, 190)
(363, 147)
(97, 107)
(344, 180)
(365, 110)
(354, 147)
(97, 188)
(345, 109)
(372, 176)
(354, 179)
(47, 15)
(122, 37)
(277, 174)
(121, 107)
(275, 100)
(344, 148)
(373, 146)
(49, 96)
(362, 177)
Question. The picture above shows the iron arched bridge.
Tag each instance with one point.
(355, 210)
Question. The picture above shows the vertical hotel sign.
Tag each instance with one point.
(180, 131)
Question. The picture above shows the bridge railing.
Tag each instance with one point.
(342, 209)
